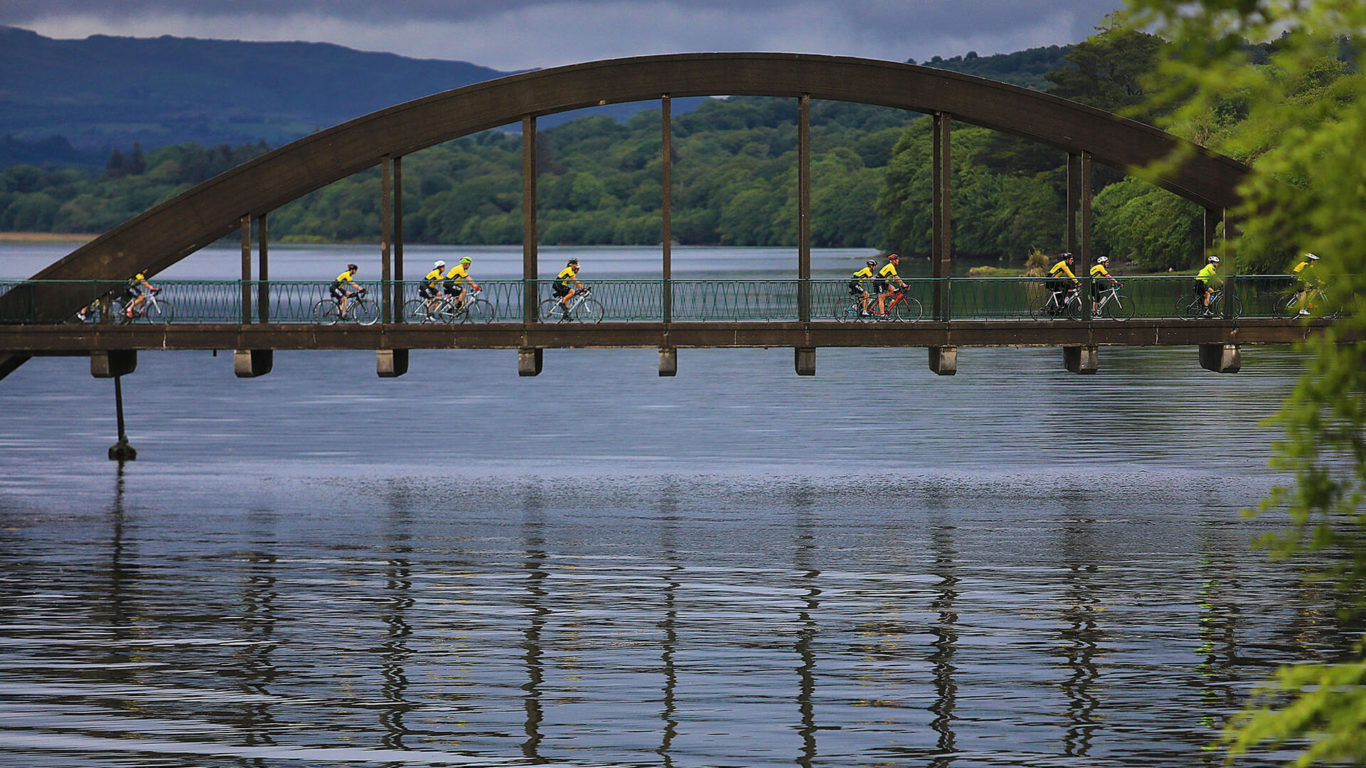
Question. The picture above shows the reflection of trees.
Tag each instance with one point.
(533, 562)
(802, 502)
(1081, 635)
(945, 631)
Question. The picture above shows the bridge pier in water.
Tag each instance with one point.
(391, 363)
(668, 361)
(1221, 358)
(1084, 360)
(944, 360)
(250, 363)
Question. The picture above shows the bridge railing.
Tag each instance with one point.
(691, 300)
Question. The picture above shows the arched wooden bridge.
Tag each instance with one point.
(242, 199)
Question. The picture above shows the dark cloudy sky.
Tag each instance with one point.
(522, 34)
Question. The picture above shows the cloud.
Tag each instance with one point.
(522, 34)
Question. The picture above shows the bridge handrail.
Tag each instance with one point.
(641, 300)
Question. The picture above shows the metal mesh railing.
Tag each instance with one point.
(966, 298)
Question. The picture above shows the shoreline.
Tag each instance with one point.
(45, 237)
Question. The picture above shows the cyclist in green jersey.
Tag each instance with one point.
(459, 274)
(1204, 283)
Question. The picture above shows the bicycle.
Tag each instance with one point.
(900, 306)
(361, 310)
(1110, 307)
(1053, 306)
(581, 308)
(153, 310)
(1292, 306)
(472, 309)
(1191, 308)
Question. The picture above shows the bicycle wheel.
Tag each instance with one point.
(478, 311)
(1189, 308)
(1043, 310)
(159, 313)
(1289, 306)
(908, 310)
(845, 311)
(364, 311)
(550, 311)
(1114, 310)
(1217, 307)
(326, 312)
(589, 311)
(415, 311)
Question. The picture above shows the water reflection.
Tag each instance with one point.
(670, 522)
(805, 558)
(1082, 633)
(534, 559)
(398, 587)
(945, 634)
(252, 663)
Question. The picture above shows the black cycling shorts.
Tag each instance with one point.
(560, 289)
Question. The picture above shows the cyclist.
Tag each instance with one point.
(1203, 283)
(1101, 280)
(340, 292)
(1063, 280)
(1308, 277)
(460, 273)
(431, 284)
(886, 278)
(136, 294)
(566, 285)
(856, 286)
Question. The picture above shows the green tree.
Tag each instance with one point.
(1302, 127)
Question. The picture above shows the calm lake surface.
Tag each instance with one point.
(737, 566)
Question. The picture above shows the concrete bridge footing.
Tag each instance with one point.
(1221, 358)
(668, 361)
(250, 363)
(529, 361)
(1083, 360)
(391, 363)
(113, 363)
(944, 360)
(805, 361)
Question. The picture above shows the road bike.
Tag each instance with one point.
(1111, 307)
(1314, 298)
(471, 309)
(359, 309)
(899, 306)
(153, 310)
(1065, 303)
(1190, 307)
(582, 308)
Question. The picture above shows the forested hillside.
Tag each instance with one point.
(734, 171)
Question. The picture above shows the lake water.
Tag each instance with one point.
(598, 566)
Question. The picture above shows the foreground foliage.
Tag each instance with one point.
(1296, 111)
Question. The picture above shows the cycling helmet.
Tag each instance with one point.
(439, 264)
(1103, 260)
(351, 267)
(1067, 255)
(871, 262)
(1214, 259)
(573, 261)
(1311, 257)
(467, 260)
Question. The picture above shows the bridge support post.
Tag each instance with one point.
(250, 363)
(1221, 358)
(944, 360)
(529, 360)
(121, 451)
(805, 361)
(391, 363)
(113, 363)
(668, 361)
(1081, 359)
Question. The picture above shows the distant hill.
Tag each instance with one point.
(109, 92)
(1025, 68)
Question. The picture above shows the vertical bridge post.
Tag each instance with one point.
(668, 355)
(528, 358)
(943, 360)
(250, 363)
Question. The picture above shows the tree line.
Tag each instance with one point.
(734, 169)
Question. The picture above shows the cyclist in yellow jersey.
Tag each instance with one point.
(857, 285)
(1063, 281)
(1203, 279)
(566, 285)
(1101, 280)
(431, 284)
(344, 287)
(1308, 276)
(459, 274)
(136, 294)
(886, 278)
